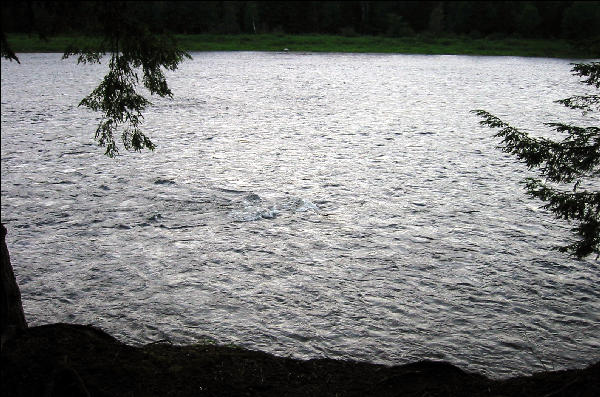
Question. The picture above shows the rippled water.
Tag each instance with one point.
(310, 205)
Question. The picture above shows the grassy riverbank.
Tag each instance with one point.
(76, 360)
(322, 43)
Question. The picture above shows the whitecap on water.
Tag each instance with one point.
(253, 207)
(306, 205)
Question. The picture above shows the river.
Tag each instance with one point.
(308, 205)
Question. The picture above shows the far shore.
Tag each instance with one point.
(418, 44)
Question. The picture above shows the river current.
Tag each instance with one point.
(308, 205)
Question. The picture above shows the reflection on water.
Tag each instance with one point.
(310, 205)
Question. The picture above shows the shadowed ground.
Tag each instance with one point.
(77, 360)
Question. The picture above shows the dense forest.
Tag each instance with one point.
(575, 20)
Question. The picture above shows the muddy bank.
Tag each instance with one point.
(76, 360)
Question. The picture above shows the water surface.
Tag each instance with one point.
(309, 205)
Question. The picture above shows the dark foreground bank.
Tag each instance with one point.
(76, 360)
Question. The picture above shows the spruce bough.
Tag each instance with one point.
(132, 49)
(569, 169)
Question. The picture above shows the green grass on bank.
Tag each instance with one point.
(22, 43)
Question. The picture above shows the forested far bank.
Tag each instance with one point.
(567, 29)
(24, 43)
(530, 19)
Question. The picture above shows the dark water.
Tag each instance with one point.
(310, 205)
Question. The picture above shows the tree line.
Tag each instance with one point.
(574, 20)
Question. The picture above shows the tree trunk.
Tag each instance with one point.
(11, 309)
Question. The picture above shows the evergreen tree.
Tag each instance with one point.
(131, 46)
(570, 168)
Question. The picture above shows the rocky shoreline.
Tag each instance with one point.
(78, 360)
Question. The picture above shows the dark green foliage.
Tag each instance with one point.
(577, 20)
(570, 168)
(131, 48)
(6, 51)
(127, 40)
(586, 103)
(581, 20)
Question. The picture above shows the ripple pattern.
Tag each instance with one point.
(310, 205)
